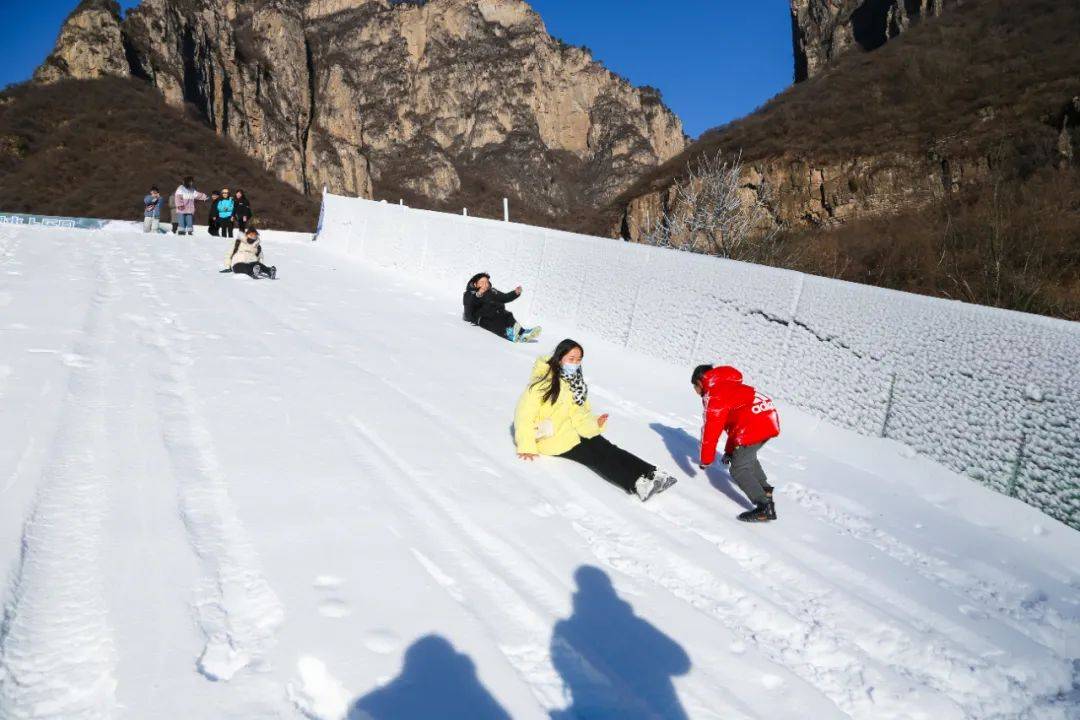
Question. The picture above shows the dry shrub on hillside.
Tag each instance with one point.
(94, 147)
(1014, 244)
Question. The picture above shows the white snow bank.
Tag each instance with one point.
(991, 393)
(239, 499)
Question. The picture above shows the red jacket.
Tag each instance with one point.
(747, 415)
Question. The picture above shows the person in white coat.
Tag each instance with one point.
(186, 195)
(246, 257)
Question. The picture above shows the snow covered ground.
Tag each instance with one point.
(222, 498)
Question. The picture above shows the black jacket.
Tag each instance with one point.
(488, 310)
(242, 211)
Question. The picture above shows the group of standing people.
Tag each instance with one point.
(227, 211)
(554, 416)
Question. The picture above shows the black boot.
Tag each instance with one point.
(770, 506)
(760, 513)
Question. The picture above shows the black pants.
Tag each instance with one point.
(498, 322)
(175, 225)
(241, 224)
(609, 461)
(225, 228)
(748, 474)
(249, 268)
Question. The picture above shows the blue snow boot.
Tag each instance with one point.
(511, 333)
(530, 334)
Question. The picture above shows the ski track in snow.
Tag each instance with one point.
(236, 609)
(865, 663)
(842, 640)
(774, 626)
(57, 654)
(1022, 607)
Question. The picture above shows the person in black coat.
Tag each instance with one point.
(212, 221)
(485, 306)
(242, 213)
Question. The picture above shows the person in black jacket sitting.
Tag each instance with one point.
(485, 306)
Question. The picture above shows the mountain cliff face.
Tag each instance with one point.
(430, 100)
(822, 30)
(918, 165)
(989, 87)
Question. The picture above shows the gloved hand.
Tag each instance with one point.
(726, 459)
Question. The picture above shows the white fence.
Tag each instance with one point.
(991, 393)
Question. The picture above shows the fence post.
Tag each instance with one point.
(465, 212)
(888, 405)
(1014, 477)
(506, 209)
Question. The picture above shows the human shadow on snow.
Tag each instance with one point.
(613, 663)
(684, 449)
(436, 681)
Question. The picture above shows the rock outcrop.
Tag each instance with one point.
(373, 96)
(90, 45)
(803, 192)
(822, 30)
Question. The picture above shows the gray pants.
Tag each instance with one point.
(748, 474)
(150, 224)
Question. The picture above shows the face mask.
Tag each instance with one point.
(571, 369)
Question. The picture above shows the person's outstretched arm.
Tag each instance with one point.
(229, 257)
(585, 423)
(710, 433)
(502, 297)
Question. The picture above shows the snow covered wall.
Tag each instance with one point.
(991, 393)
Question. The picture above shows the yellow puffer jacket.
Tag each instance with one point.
(550, 429)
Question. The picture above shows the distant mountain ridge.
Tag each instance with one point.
(439, 102)
(945, 160)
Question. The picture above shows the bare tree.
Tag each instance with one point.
(713, 211)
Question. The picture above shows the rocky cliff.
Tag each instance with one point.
(822, 30)
(90, 45)
(434, 101)
(987, 87)
(916, 166)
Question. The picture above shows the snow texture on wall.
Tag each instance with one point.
(991, 393)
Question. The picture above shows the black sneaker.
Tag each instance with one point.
(770, 507)
(273, 272)
(760, 513)
(256, 272)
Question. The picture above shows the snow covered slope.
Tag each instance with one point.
(991, 393)
(222, 498)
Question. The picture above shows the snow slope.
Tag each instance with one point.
(222, 498)
(991, 393)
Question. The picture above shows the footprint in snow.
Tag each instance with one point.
(383, 642)
(331, 606)
(543, 510)
(771, 682)
(334, 608)
(75, 360)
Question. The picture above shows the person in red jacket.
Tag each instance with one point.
(750, 420)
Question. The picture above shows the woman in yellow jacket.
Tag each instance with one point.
(554, 418)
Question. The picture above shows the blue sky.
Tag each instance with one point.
(713, 60)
